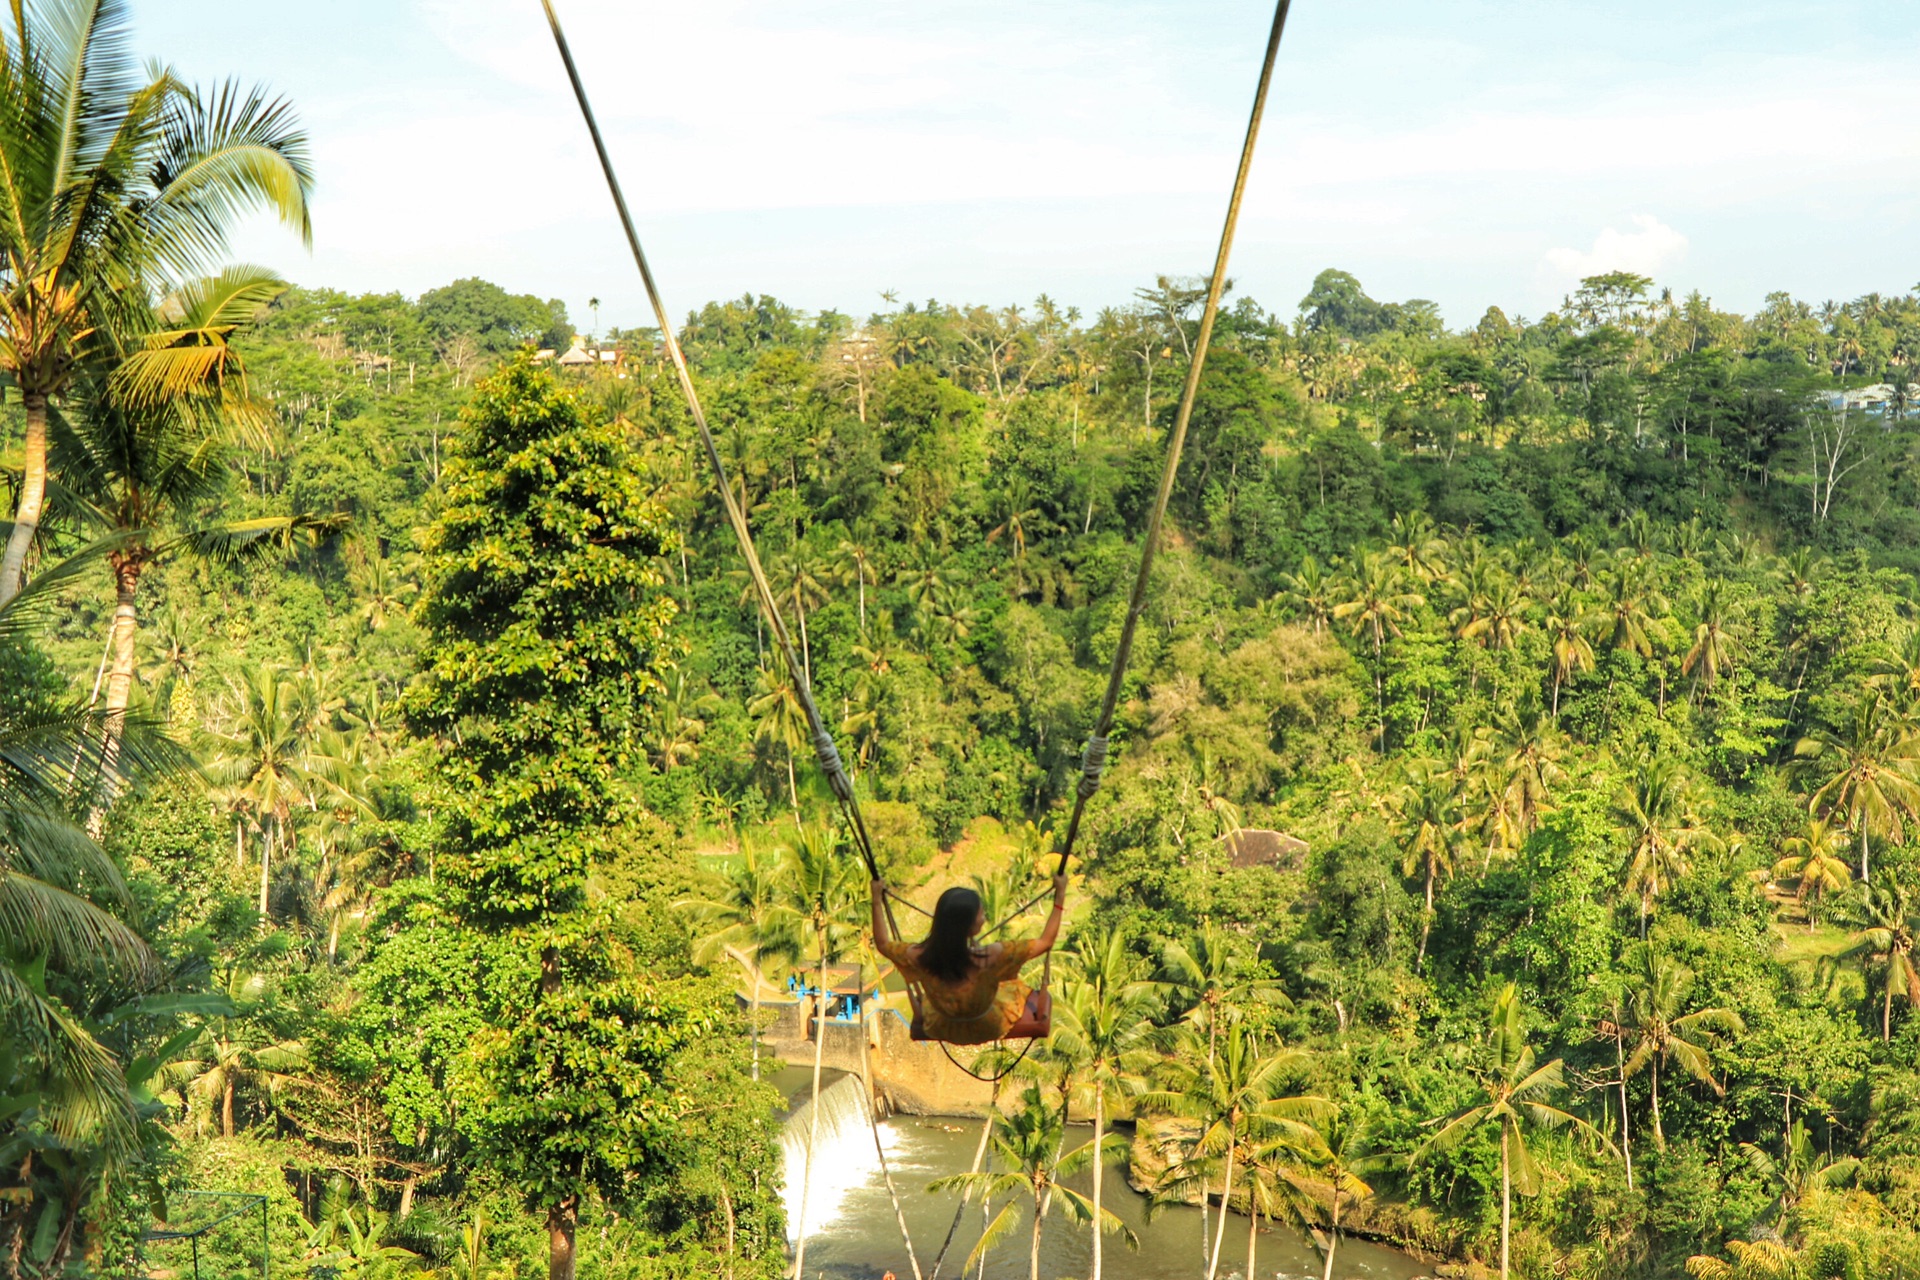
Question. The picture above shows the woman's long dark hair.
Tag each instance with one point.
(948, 951)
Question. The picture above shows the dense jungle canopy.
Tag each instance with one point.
(1580, 653)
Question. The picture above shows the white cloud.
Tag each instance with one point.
(1648, 249)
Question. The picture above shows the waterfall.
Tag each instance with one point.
(845, 1160)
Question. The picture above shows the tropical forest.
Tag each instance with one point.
(413, 842)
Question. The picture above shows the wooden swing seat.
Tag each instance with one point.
(1035, 1021)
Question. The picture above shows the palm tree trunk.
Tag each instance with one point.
(793, 787)
(1226, 1198)
(1333, 1230)
(813, 1122)
(266, 864)
(1506, 1202)
(1886, 1007)
(1864, 878)
(753, 1014)
(226, 1104)
(1099, 1127)
(126, 622)
(33, 496)
(1253, 1229)
(1659, 1134)
(1626, 1142)
(1426, 920)
(1033, 1249)
(562, 1221)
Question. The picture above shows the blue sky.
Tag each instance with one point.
(1468, 151)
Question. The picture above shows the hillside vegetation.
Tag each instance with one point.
(1580, 652)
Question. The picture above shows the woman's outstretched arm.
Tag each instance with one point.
(879, 891)
(1051, 934)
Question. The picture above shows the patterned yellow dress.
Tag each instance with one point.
(979, 1010)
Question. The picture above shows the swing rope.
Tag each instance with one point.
(1093, 758)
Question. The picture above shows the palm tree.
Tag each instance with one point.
(1661, 830)
(1772, 1260)
(1865, 770)
(1426, 824)
(1345, 1142)
(1816, 859)
(1028, 1142)
(1377, 600)
(1713, 642)
(801, 575)
(236, 1050)
(856, 568)
(1884, 923)
(1105, 1025)
(1215, 981)
(1494, 618)
(750, 921)
(1235, 1100)
(1514, 1099)
(1630, 608)
(111, 191)
(679, 722)
(1568, 626)
(1526, 762)
(822, 904)
(1309, 593)
(1659, 1032)
(145, 458)
(1799, 1169)
(780, 719)
(1418, 546)
(263, 751)
(1279, 1180)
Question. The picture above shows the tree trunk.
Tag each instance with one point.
(1659, 1134)
(753, 1015)
(1864, 879)
(563, 1220)
(1426, 920)
(1626, 1143)
(226, 1104)
(1099, 1126)
(406, 1194)
(1033, 1249)
(126, 622)
(1506, 1202)
(1886, 1007)
(813, 1121)
(266, 864)
(1333, 1231)
(1253, 1234)
(1226, 1199)
(726, 1207)
(33, 496)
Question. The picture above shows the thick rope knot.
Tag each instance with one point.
(1093, 763)
(828, 754)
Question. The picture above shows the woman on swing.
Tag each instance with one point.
(972, 995)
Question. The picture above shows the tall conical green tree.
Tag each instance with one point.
(548, 622)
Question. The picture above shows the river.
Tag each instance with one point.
(852, 1233)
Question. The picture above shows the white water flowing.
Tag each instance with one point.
(845, 1161)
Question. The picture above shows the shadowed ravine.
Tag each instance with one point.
(852, 1235)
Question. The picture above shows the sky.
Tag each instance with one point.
(830, 152)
